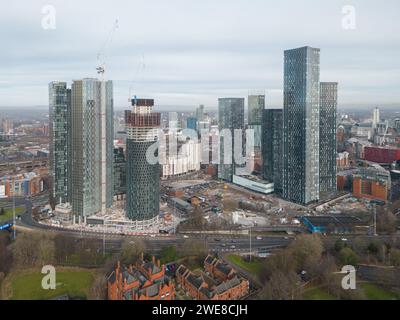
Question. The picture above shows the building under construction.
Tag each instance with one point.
(142, 173)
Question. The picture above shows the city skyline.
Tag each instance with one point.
(216, 60)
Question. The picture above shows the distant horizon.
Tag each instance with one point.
(193, 52)
(191, 108)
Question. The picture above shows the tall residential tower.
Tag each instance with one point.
(142, 173)
(271, 147)
(231, 119)
(301, 125)
(327, 137)
(91, 146)
(256, 105)
(59, 132)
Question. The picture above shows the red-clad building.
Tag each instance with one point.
(142, 281)
(381, 154)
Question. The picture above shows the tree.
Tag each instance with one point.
(386, 223)
(281, 261)
(168, 254)
(6, 257)
(98, 291)
(282, 286)
(306, 251)
(131, 251)
(194, 247)
(46, 251)
(395, 257)
(348, 257)
(64, 247)
(33, 249)
(339, 245)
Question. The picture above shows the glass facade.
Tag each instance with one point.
(59, 132)
(119, 172)
(230, 117)
(272, 147)
(256, 105)
(91, 146)
(301, 125)
(143, 176)
(191, 123)
(327, 137)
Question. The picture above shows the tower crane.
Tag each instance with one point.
(101, 55)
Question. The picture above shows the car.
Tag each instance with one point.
(286, 238)
(233, 240)
(233, 247)
(259, 238)
(185, 237)
(344, 239)
(223, 245)
(217, 239)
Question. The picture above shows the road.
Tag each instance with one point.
(113, 242)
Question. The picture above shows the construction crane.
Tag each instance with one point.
(141, 67)
(101, 55)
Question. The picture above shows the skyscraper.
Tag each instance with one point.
(231, 118)
(200, 113)
(191, 123)
(256, 105)
(327, 137)
(119, 172)
(143, 175)
(59, 133)
(376, 117)
(92, 121)
(271, 147)
(301, 125)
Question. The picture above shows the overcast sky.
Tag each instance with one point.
(187, 52)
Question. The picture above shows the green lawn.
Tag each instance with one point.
(371, 292)
(74, 282)
(374, 292)
(317, 294)
(9, 213)
(255, 266)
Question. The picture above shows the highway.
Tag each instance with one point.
(154, 243)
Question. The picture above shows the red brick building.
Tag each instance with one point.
(371, 184)
(381, 154)
(219, 282)
(142, 281)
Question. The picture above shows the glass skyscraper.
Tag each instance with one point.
(327, 137)
(92, 122)
(272, 148)
(143, 176)
(301, 125)
(59, 132)
(256, 105)
(230, 117)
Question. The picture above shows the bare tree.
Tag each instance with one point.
(98, 291)
(131, 251)
(282, 286)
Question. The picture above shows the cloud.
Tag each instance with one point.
(196, 51)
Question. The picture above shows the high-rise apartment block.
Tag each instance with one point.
(272, 148)
(91, 146)
(327, 137)
(142, 171)
(256, 105)
(59, 132)
(231, 124)
(301, 125)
